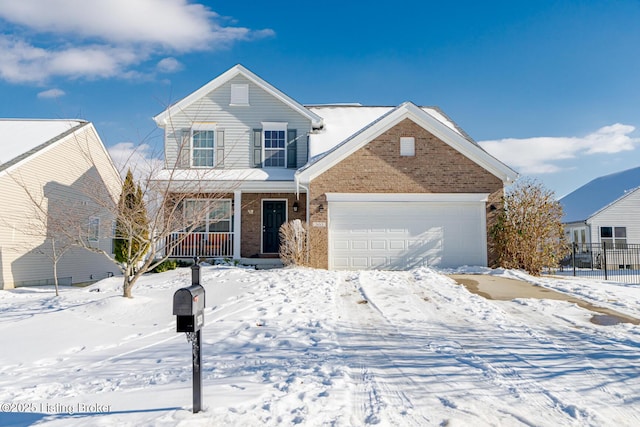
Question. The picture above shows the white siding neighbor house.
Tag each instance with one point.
(54, 174)
(605, 210)
(382, 187)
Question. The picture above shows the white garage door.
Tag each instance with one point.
(403, 235)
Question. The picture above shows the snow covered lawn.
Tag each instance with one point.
(312, 347)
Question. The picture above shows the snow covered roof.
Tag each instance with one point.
(336, 147)
(343, 120)
(250, 179)
(19, 138)
(591, 198)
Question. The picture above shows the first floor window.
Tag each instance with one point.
(94, 229)
(208, 215)
(614, 237)
(579, 237)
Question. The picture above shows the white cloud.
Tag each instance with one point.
(541, 155)
(21, 62)
(141, 159)
(105, 38)
(169, 65)
(51, 93)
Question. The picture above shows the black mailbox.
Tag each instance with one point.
(188, 306)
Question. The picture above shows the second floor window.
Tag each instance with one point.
(274, 144)
(203, 149)
(274, 148)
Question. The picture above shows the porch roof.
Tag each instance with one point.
(228, 180)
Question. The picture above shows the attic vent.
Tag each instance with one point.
(407, 146)
(239, 94)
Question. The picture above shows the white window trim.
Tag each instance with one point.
(209, 202)
(407, 146)
(239, 95)
(274, 126)
(203, 126)
(613, 240)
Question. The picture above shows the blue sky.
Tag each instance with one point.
(552, 88)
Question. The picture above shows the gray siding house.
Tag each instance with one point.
(380, 187)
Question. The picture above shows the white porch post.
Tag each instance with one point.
(237, 223)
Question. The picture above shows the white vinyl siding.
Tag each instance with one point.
(623, 213)
(65, 177)
(238, 123)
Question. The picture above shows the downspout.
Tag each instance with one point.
(307, 212)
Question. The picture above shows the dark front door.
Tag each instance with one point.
(274, 214)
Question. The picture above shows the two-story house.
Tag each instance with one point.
(385, 187)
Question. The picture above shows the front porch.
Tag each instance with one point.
(248, 231)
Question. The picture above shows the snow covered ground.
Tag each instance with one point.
(311, 347)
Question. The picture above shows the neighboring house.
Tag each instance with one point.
(62, 166)
(604, 210)
(381, 187)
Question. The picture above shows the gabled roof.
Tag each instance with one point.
(21, 138)
(162, 118)
(343, 120)
(598, 194)
(448, 133)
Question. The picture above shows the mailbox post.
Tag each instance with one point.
(188, 307)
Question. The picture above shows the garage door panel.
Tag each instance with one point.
(397, 244)
(378, 245)
(359, 245)
(406, 234)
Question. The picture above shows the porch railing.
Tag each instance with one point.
(204, 245)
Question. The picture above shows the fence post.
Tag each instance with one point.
(573, 257)
(604, 259)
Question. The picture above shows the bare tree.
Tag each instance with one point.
(296, 241)
(180, 210)
(529, 232)
(179, 216)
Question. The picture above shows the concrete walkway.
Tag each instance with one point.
(505, 289)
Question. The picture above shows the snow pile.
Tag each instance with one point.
(311, 347)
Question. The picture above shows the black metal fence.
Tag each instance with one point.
(605, 261)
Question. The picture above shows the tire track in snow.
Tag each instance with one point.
(376, 397)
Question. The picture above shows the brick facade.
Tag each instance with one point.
(378, 168)
(251, 246)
